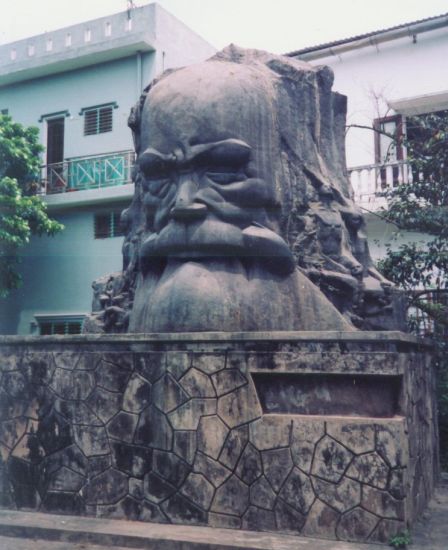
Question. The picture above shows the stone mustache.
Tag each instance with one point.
(242, 218)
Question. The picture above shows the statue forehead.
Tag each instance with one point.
(207, 102)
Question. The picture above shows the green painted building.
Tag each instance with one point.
(77, 85)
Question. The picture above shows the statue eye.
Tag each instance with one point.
(224, 177)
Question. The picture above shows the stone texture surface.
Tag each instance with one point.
(162, 434)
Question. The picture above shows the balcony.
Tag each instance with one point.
(372, 181)
(83, 173)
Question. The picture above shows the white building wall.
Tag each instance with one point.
(374, 76)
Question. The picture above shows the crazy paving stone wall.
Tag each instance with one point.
(175, 432)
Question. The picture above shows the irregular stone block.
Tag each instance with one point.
(369, 468)
(270, 431)
(156, 489)
(154, 430)
(185, 444)
(382, 504)
(106, 488)
(122, 359)
(178, 363)
(104, 404)
(137, 395)
(330, 460)
(215, 472)
(170, 467)
(240, 406)
(66, 480)
(188, 415)
(197, 384)
(150, 365)
(224, 521)
(111, 377)
(391, 444)
(71, 457)
(297, 491)
(136, 488)
(262, 494)
(277, 463)
(356, 525)
(288, 519)
(91, 440)
(29, 449)
(86, 361)
(198, 490)
(397, 483)
(15, 385)
(63, 503)
(233, 447)
(342, 496)
(359, 437)
(167, 394)
(321, 521)
(249, 466)
(122, 426)
(212, 433)
(54, 432)
(231, 498)
(151, 512)
(12, 430)
(257, 519)
(98, 465)
(181, 510)
(209, 363)
(132, 460)
(77, 412)
(305, 434)
(72, 385)
(228, 380)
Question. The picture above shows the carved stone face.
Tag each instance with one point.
(211, 253)
(207, 176)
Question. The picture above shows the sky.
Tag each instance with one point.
(278, 26)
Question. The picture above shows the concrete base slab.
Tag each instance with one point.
(118, 534)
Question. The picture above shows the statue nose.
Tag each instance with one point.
(185, 207)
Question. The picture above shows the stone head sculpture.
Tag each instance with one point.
(240, 196)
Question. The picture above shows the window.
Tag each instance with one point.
(87, 35)
(107, 224)
(108, 29)
(60, 324)
(31, 50)
(388, 133)
(98, 120)
(49, 45)
(4, 112)
(13, 54)
(388, 149)
(68, 39)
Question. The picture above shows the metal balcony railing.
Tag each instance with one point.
(92, 172)
(371, 181)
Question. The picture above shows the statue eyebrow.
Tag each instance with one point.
(227, 152)
(152, 160)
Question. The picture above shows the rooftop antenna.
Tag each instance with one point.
(130, 6)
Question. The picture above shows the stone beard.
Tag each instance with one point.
(208, 251)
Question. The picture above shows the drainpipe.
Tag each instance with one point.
(139, 73)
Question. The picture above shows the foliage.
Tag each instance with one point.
(22, 212)
(422, 205)
(400, 540)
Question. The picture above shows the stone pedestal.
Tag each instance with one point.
(328, 435)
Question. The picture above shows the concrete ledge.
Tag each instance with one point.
(272, 336)
(153, 536)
